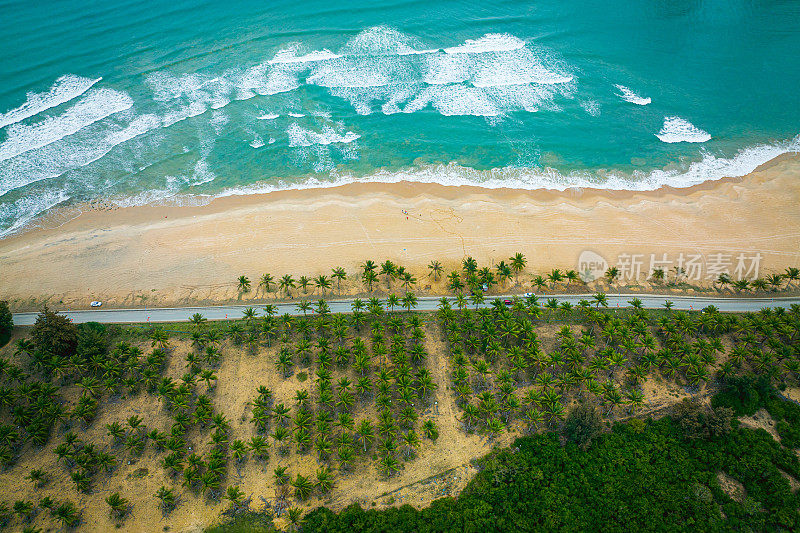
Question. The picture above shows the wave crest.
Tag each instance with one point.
(676, 130)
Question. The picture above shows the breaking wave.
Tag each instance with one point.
(676, 130)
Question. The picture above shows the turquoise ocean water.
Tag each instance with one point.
(181, 101)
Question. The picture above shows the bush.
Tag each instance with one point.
(55, 334)
(698, 421)
(582, 424)
(635, 478)
(6, 323)
(744, 394)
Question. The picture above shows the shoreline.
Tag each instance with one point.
(60, 216)
(162, 255)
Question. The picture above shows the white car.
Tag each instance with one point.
(96, 303)
(528, 295)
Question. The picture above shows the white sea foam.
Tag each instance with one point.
(708, 168)
(520, 67)
(630, 96)
(288, 56)
(64, 89)
(412, 52)
(676, 129)
(491, 42)
(592, 107)
(189, 95)
(377, 70)
(299, 136)
(271, 140)
(296, 115)
(56, 159)
(268, 116)
(257, 142)
(95, 106)
(266, 80)
(28, 207)
(202, 174)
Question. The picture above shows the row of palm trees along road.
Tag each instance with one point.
(560, 301)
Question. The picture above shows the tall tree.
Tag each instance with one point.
(244, 284)
(518, 263)
(339, 275)
(389, 270)
(266, 282)
(55, 334)
(323, 283)
(435, 268)
(286, 283)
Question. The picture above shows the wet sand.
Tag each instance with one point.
(159, 255)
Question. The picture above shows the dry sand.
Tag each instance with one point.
(193, 255)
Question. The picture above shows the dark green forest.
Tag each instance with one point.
(657, 475)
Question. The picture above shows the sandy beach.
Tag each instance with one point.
(157, 255)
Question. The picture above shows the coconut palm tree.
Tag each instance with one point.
(369, 278)
(369, 266)
(266, 282)
(430, 430)
(235, 495)
(119, 505)
(792, 274)
(365, 434)
(388, 465)
(408, 280)
(260, 447)
(303, 282)
(555, 276)
(244, 284)
(167, 499)
(600, 299)
(392, 301)
(572, 276)
(249, 314)
(409, 301)
(436, 269)
(198, 320)
(469, 265)
(302, 487)
(518, 263)
(658, 275)
(324, 480)
(759, 284)
(304, 306)
(539, 282)
(612, 274)
(775, 281)
(286, 283)
(322, 308)
(454, 283)
(504, 272)
(741, 285)
(322, 282)
(66, 513)
(339, 275)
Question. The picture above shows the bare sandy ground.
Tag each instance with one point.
(160, 255)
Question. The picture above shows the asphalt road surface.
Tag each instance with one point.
(177, 314)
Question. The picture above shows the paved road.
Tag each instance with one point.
(123, 316)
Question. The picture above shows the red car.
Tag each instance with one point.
(507, 302)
